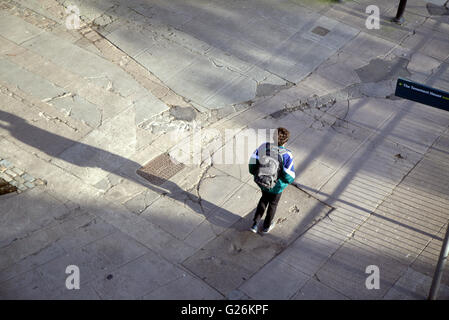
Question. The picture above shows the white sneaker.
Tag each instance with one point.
(269, 228)
(254, 227)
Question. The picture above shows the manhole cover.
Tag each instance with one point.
(320, 31)
(160, 169)
(5, 187)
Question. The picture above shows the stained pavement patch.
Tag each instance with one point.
(380, 69)
(268, 89)
(183, 113)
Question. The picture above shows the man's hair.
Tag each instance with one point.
(283, 135)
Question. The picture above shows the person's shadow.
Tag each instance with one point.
(88, 156)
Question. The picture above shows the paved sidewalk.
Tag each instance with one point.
(82, 110)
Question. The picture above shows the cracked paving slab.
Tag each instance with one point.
(233, 257)
(215, 76)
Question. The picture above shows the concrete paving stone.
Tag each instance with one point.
(296, 58)
(353, 14)
(145, 232)
(201, 80)
(324, 84)
(173, 217)
(406, 130)
(239, 252)
(11, 173)
(438, 117)
(29, 286)
(423, 63)
(211, 189)
(5, 163)
(393, 236)
(165, 13)
(14, 183)
(440, 24)
(21, 187)
(233, 157)
(103, 150)
(221, 57)
(140, 202)
(428, 259)
(185, 288)
(147, 107)
(239, 90)
(243, 201)
(80, 109)
(130, 39)
(350, 278)
(18, 171)
(30, 262)
(89, 232)
(276, 280)
(165, 59)
(339, 34)
(368, 47)
(368, 113)
(283, 12)
(419, 199)
(368, 160)
(29, 214)
(17, 30)
(333, 138)
(118, 248)
(89, 66)
(190, 8)
(226, 20)
(136, 278)
(36, 132)
(296, 214)
(440, 79)
(28, 82)
(343, 75)
(125, 190)
(217, 38)
(5, 177)
(220, 273)
(310, 251)
(90, 267)
(413, 197)
(315, 290)
(208, 230)
(428, 188)
(265, 33)
(430, 43)
(414, 285)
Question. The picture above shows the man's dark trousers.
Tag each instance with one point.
(268, 199)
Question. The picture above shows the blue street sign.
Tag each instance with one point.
(423, 94)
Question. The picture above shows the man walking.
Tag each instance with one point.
(273, 169)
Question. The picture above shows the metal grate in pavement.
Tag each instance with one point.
(160, 169)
